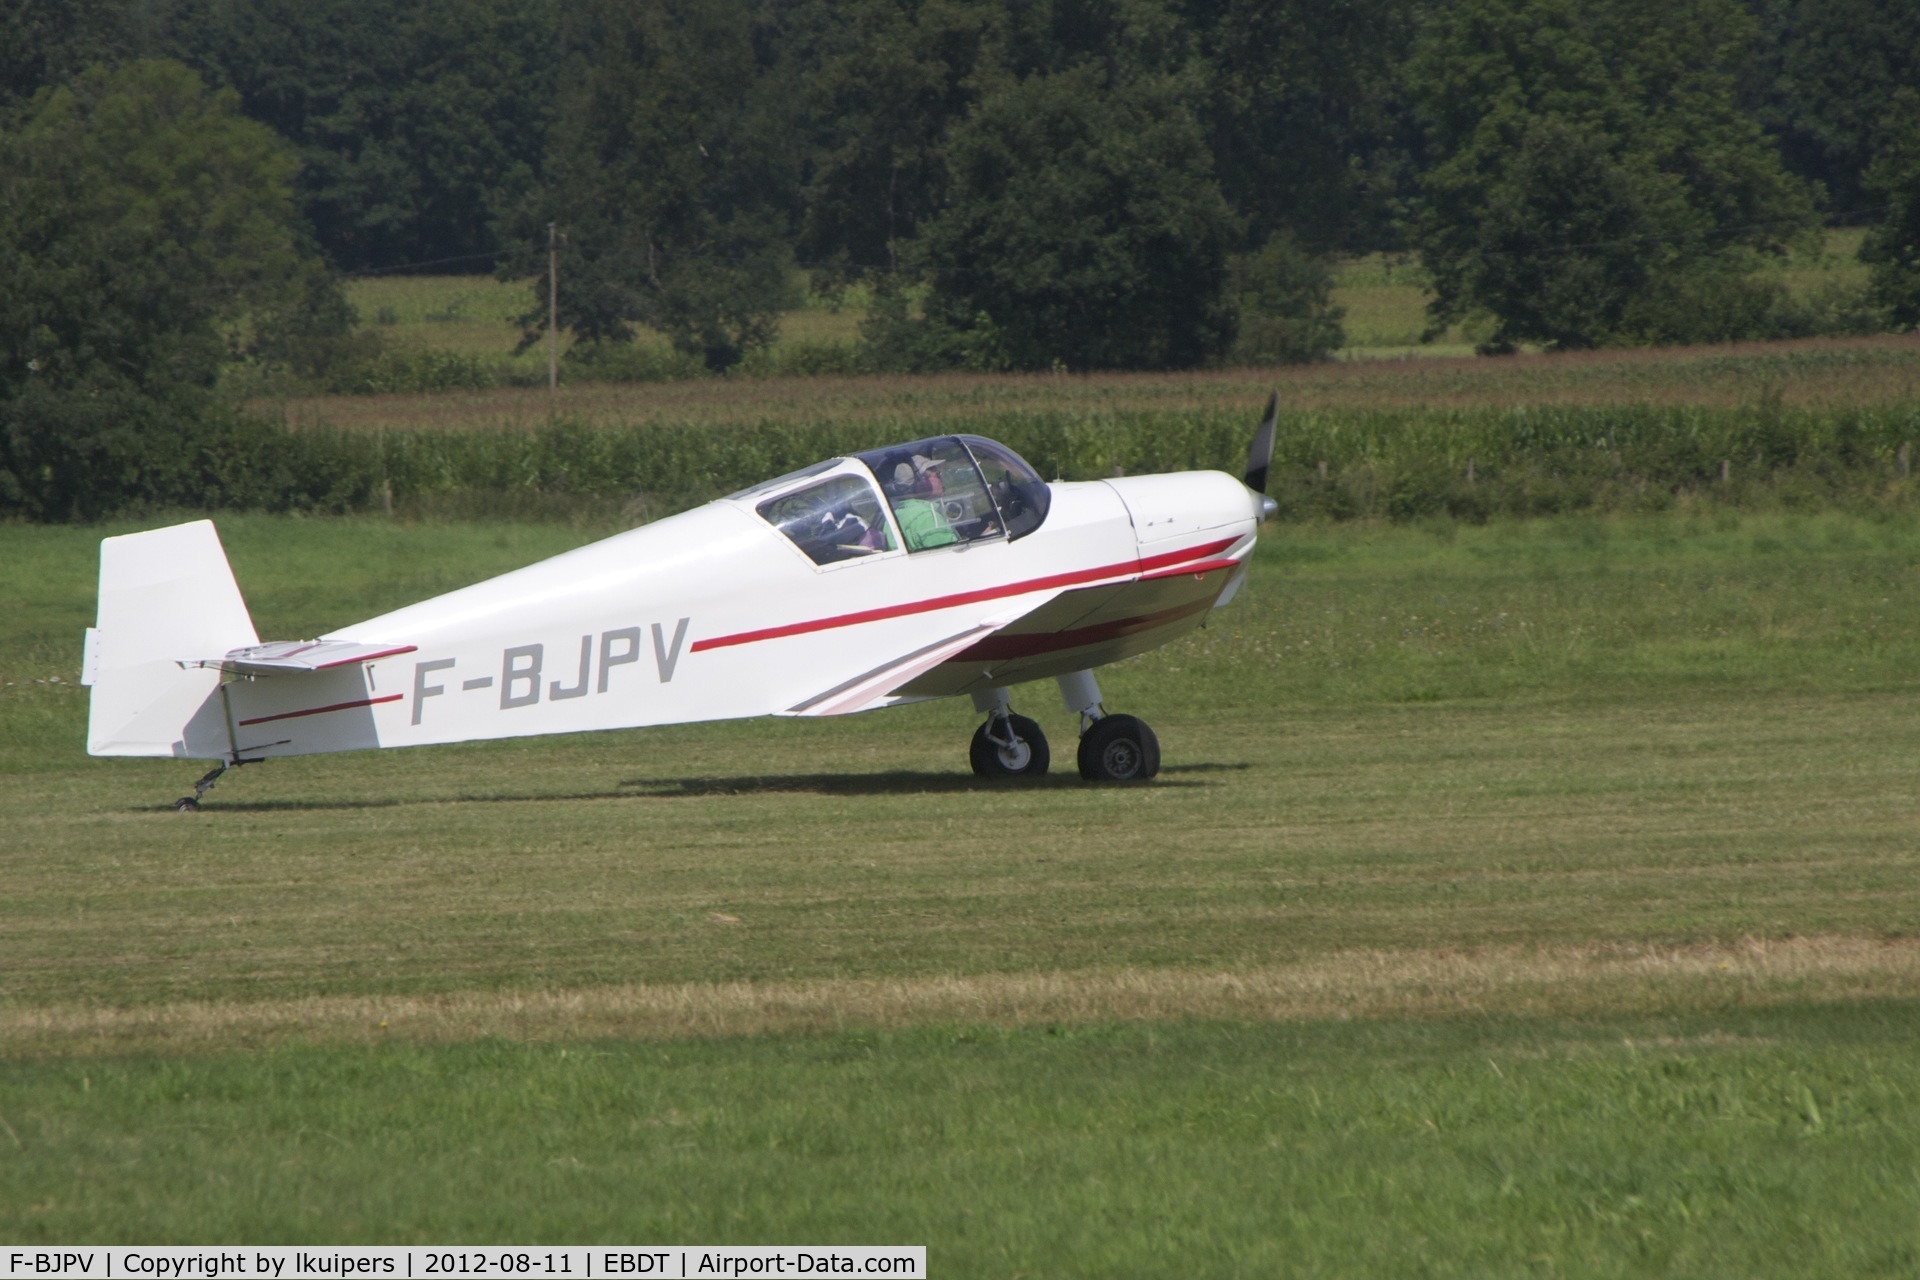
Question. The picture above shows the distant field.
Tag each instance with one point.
(481, 316)
(1812, 373)
(1384, 296)
(1532, 896)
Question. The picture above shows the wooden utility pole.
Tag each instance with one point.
(553, 312)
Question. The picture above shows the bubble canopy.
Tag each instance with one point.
(949, 489)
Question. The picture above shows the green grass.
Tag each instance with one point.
(1385, 298)
(456, 307)
(1536, 896)
(1833, 264)
(463, 316)
(1738, 1145)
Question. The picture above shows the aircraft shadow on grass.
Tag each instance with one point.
(289, 805)
(893, 782)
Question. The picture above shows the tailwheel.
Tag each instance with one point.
(1009, 746)
(191, 804)
(1119, 749)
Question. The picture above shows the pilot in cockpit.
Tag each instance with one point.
(916, 487)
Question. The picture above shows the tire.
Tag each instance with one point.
(187, 804)
(1119, 749)
(1027, 760)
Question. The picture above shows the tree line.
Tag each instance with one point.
(1017, 184)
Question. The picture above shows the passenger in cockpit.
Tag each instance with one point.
(844, 527)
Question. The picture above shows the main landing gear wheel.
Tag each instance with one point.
(1009, 746)
(1119, 749)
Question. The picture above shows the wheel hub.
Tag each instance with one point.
(1015, 755)
(1009, 746)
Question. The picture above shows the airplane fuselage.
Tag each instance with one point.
(712, 614)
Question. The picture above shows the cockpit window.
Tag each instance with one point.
(781, 482)
(1019, 493)
(936, 493)
(838, 518)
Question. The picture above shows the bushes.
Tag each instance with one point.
(1081, 228)
(1285, 306)
(417, 370)
(1592, 181)
(1396, 465)
(609, 361)
(1893, 247)
(1408, 464)
(147, 232)
(150, 457)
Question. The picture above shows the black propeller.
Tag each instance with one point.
(1260, 457)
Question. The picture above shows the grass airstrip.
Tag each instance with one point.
(1527, 898)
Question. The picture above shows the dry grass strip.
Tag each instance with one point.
(1360, 984)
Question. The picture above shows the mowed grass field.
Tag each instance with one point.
(1527, 898)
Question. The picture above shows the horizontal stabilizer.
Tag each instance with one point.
(282, 657)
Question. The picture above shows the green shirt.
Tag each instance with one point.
(922, 524)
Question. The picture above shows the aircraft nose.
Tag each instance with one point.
(1184, 503)
(1264, 508)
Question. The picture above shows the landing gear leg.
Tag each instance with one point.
(1112, 748)
(1007, 745)
(191, 804)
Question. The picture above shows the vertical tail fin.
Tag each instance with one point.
(167, 598)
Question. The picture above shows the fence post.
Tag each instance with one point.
(386, 481)
(553, 313)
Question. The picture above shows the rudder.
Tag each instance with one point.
(168, 602)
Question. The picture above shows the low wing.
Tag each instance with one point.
(872, 688)
(878, 685)
(282, 657)
(1081, 628)
(1048, 633)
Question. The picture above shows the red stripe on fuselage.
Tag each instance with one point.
(370, 657)
(1200, 570)
(1076, 578)
(317, 711)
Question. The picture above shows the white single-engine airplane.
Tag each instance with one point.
(945, 566)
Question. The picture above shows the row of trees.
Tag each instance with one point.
(1038, 176)
(1021, 183)
(148, 235)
